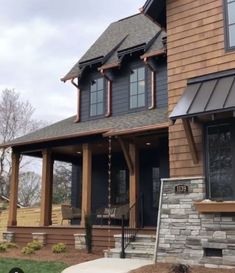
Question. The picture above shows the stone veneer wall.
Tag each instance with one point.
(185, 233)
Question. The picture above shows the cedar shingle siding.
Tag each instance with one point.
(196, 47)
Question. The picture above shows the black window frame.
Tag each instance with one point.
(97, 90)
(231, 123)
(136, 68)
(228, 47)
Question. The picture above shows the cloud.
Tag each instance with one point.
(41, 40)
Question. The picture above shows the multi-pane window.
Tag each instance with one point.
(230, 22)
(155, 186)
(97, 97)
(137, 88)
(121, 194)
(220, 162)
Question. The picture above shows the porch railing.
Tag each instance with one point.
(130, 231)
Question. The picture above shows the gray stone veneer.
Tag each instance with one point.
(185, 233)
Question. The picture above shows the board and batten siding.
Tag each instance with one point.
(195, 43)
(120, 89)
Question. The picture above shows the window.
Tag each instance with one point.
(156, 186)
(121, 194)
(220, 162)
(97, 97)
(230, 23)
(137, 88)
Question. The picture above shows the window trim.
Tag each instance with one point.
(90, 104)
(230, 122)
(145, 88)
(228, 48)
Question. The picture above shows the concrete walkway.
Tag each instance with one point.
(107, 265)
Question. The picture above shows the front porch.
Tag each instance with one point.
(110, 168)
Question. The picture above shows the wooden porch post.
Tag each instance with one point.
(134, 181)
(46, 191)
(14, 182)
(86, 181)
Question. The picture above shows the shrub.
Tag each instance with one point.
(27, 250)
(59, 248)
(10, 245)
(3, 247)
(180, 268)
(35, 245)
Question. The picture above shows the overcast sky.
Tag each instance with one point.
(40, 40)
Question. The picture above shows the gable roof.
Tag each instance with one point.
(116, 125)
(127, 34)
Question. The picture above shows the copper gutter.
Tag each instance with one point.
(78, 100)
(109, 93)
(153, 84)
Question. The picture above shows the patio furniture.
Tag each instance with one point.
(70, 213)
(115, 211)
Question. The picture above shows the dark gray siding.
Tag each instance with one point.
(161, 85)
(120, 89)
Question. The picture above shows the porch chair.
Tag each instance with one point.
(69, 213)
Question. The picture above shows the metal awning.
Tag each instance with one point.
(208, 94)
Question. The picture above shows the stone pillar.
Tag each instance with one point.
(40, 237)
(80, 241)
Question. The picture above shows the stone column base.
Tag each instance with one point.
(40, 237)
(80, 241)
(8, 236)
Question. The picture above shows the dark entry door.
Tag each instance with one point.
(153, 167)
(149, 190)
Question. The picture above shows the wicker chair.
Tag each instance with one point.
(69, 213)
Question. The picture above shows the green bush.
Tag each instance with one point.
(3, 247)
(59, 248)
(10, 245)
(27, 250)
(35, 245)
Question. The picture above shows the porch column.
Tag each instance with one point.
(134, 181)
(14, 182)
(86, 181)
(46, 191)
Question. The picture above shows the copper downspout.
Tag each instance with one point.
(153, 84)
(109, 93)
(78, 100)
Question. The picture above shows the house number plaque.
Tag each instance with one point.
(181, 189)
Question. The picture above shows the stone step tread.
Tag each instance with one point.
(139, 236)
(143, 244)
(130, 251)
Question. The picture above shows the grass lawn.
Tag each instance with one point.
(29, 266)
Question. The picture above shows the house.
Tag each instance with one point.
(128, 88)
(118, 140)
(197, 222)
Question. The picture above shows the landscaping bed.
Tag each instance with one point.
(165, 268)
(70, 257)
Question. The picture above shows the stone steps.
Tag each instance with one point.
(142, 247)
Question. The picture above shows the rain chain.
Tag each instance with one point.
(109, 189)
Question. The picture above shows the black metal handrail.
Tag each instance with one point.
(130, 231)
